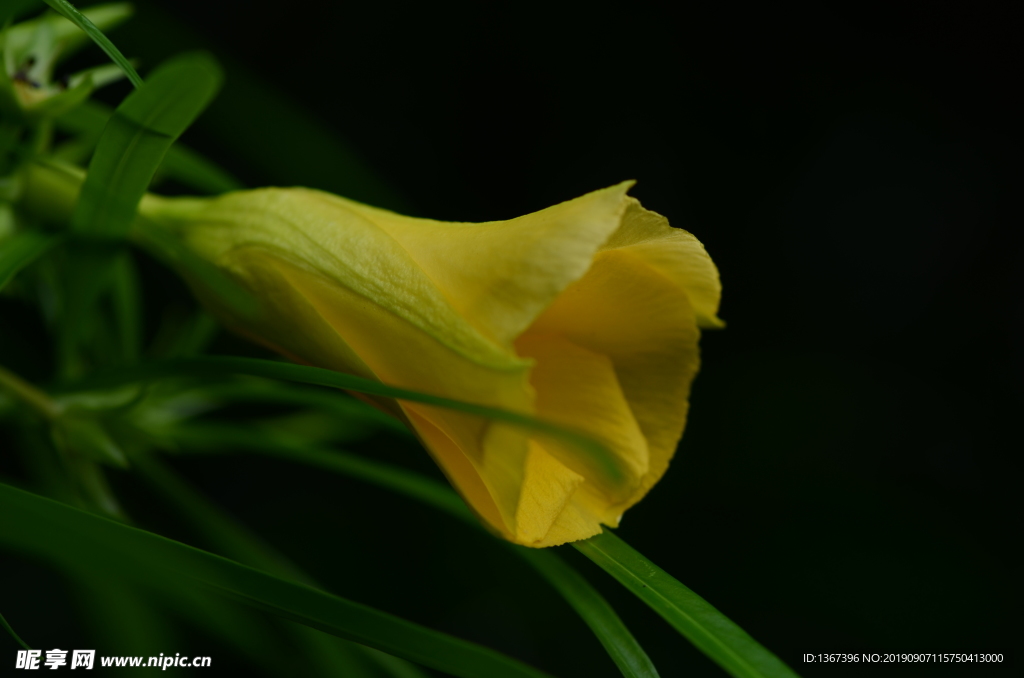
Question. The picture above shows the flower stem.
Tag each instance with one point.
(49, 190)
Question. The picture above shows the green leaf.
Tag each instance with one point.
(102, 75)
(132, 146)
(68, 11)
(217, 530)
(598, 614)
(224, 365)
(712, 632)
(59, 532)
(135, 140)
(595, 611)
(12, 9)
(181, 163)
(219, 438)
(22, 249)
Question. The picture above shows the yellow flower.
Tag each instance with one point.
(585, 314)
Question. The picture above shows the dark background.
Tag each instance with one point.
(844, 484)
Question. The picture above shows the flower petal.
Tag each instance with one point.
(578, 388)
(501, 274)
(328, 236)
(644, 324)
(460, 471)
(674, 253)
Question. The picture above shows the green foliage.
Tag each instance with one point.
(135, 140)
(20, 250)
(58, 532)
(707, 628)
(83, 21)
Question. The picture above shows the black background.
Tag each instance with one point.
(844, 484)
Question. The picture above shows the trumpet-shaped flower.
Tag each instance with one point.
(586, 314)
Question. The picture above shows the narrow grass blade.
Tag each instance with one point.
(135, 140)
(224, 365)
(349, 410)
(231, 539)
(592, 607)
(225, 621)
(712, 632)
(393, 666)
(22, 249)
(141, 619)
(17, 638)
(68, 11)
(57, 531)
(66, 36)
(595, 611)
(215, 528)
(220, 438)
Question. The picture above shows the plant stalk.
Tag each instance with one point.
(28, 394)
